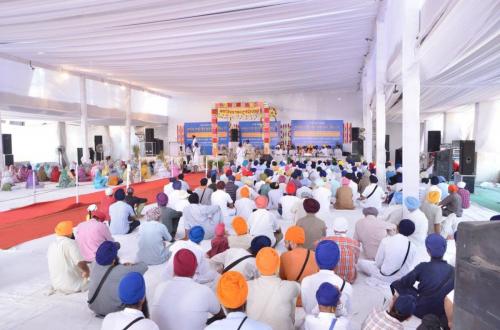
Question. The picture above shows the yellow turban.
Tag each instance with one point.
(267, 261)
(295, 234)
(232, 289)
(433, 197)
(240, 226)
(64, 228)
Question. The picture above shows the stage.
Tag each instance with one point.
(32, 221)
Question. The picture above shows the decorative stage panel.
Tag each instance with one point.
(252, 131)
(317, 132)
(203, 132)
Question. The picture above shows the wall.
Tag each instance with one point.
(459, 124)
(394, 130)
(487, 136)
(310, 105)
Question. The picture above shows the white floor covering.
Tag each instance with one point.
(24, 285)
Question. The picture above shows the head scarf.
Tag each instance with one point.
(196, 234)
(258, 243)
(311, 205)
(327, 254)
(132, 288)
(162, 199)
(261, 202)
(240, 226)
(99, 215)
(345, 181)
(219, 244)
(107, 252)
(452, 188)
(108, 191)
(220, 185)
(177, 185)
(295, 234)
(120, 194)
(433, 197)
(281, 179)
(370, 211)
(185, 263)
(327, 295)
(434, 180)
(232, 289)
(64, 228)
(436, 245)
(291, 188)
(245, 192)
(267, 261)
(153, 214)
(405, 305)
(340, 225)
(461, 185)
(412, 203)
(406, 227)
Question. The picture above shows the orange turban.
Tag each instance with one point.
(240, 226)
(238, 177)
(452, 188)
(267, 261)
(295, 234)
(433, 197)
(232, 289)
(245, 192)
(64, 228)
(261, 202)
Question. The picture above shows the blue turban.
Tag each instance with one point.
(441, 179)
(495, 217)
(436, 245)
(196, 234)
(327, 254)
(231, 178)
(406, 227)
(177, 185)
(434, 180)
(344, 172)
(132, 288)
(268, 172)
(412, 203)
(398, 198)
(107, 252)
(120, 194)
(327, 295)
(322, 174)
(405, 305)
(245, 163)
(258, 243)
(282, 163)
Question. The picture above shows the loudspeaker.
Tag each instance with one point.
(387, 143)
(354, 133)
(398, 156)
(443, 164)
(235, 135)
(7, 144)
(433, 141)
(8, 159)
(149, 148)
(98, 147)
(357, 148)
(150, 135)
(79, 155)
(468, 157)
(158, 146)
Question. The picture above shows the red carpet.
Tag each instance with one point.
(38, 220)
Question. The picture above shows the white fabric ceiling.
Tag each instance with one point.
(218, 47)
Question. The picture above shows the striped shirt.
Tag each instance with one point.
(381, 320)
(465, 194)
(349, 254)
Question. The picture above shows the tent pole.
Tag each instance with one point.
(380, 69)
(84, 120)
(128, 111)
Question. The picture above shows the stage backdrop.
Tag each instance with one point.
(252, 131)
(317, 132)
(203, 132)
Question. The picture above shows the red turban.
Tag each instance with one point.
(291, 188)
(311, 205)
(185, 263)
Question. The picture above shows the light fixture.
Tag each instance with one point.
(40, 53)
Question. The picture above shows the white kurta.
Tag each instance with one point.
(240, 155)
(323, 196)
(263, 222)
(244, 207)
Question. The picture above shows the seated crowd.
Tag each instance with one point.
(250, 248)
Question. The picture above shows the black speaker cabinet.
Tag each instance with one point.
(443, 164)
(476, 303)
(470, 181)
(150, 135)
(387, 142)
(79, 155)
(7, 144)
(8, 159)
(357, 148)
(355, 133)
(398, 156)
(433, 141)
(158, 146)
(467, 157)
(235, 136)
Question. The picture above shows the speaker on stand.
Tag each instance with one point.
(467, 157)
(7, 149)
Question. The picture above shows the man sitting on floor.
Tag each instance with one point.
(122, 215)
(263, 222)
(314, 227)
(401, 310)
(327, 297)
(182, 303)
(370, 231)
(298, 262)
(67, 269)
(232, 291)
(91, 233)
(242, 238)
(204, 192)
(132, 293)
(105, 278)
(206, 216)
(137, 203)
(168, 216)
(152, 238)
